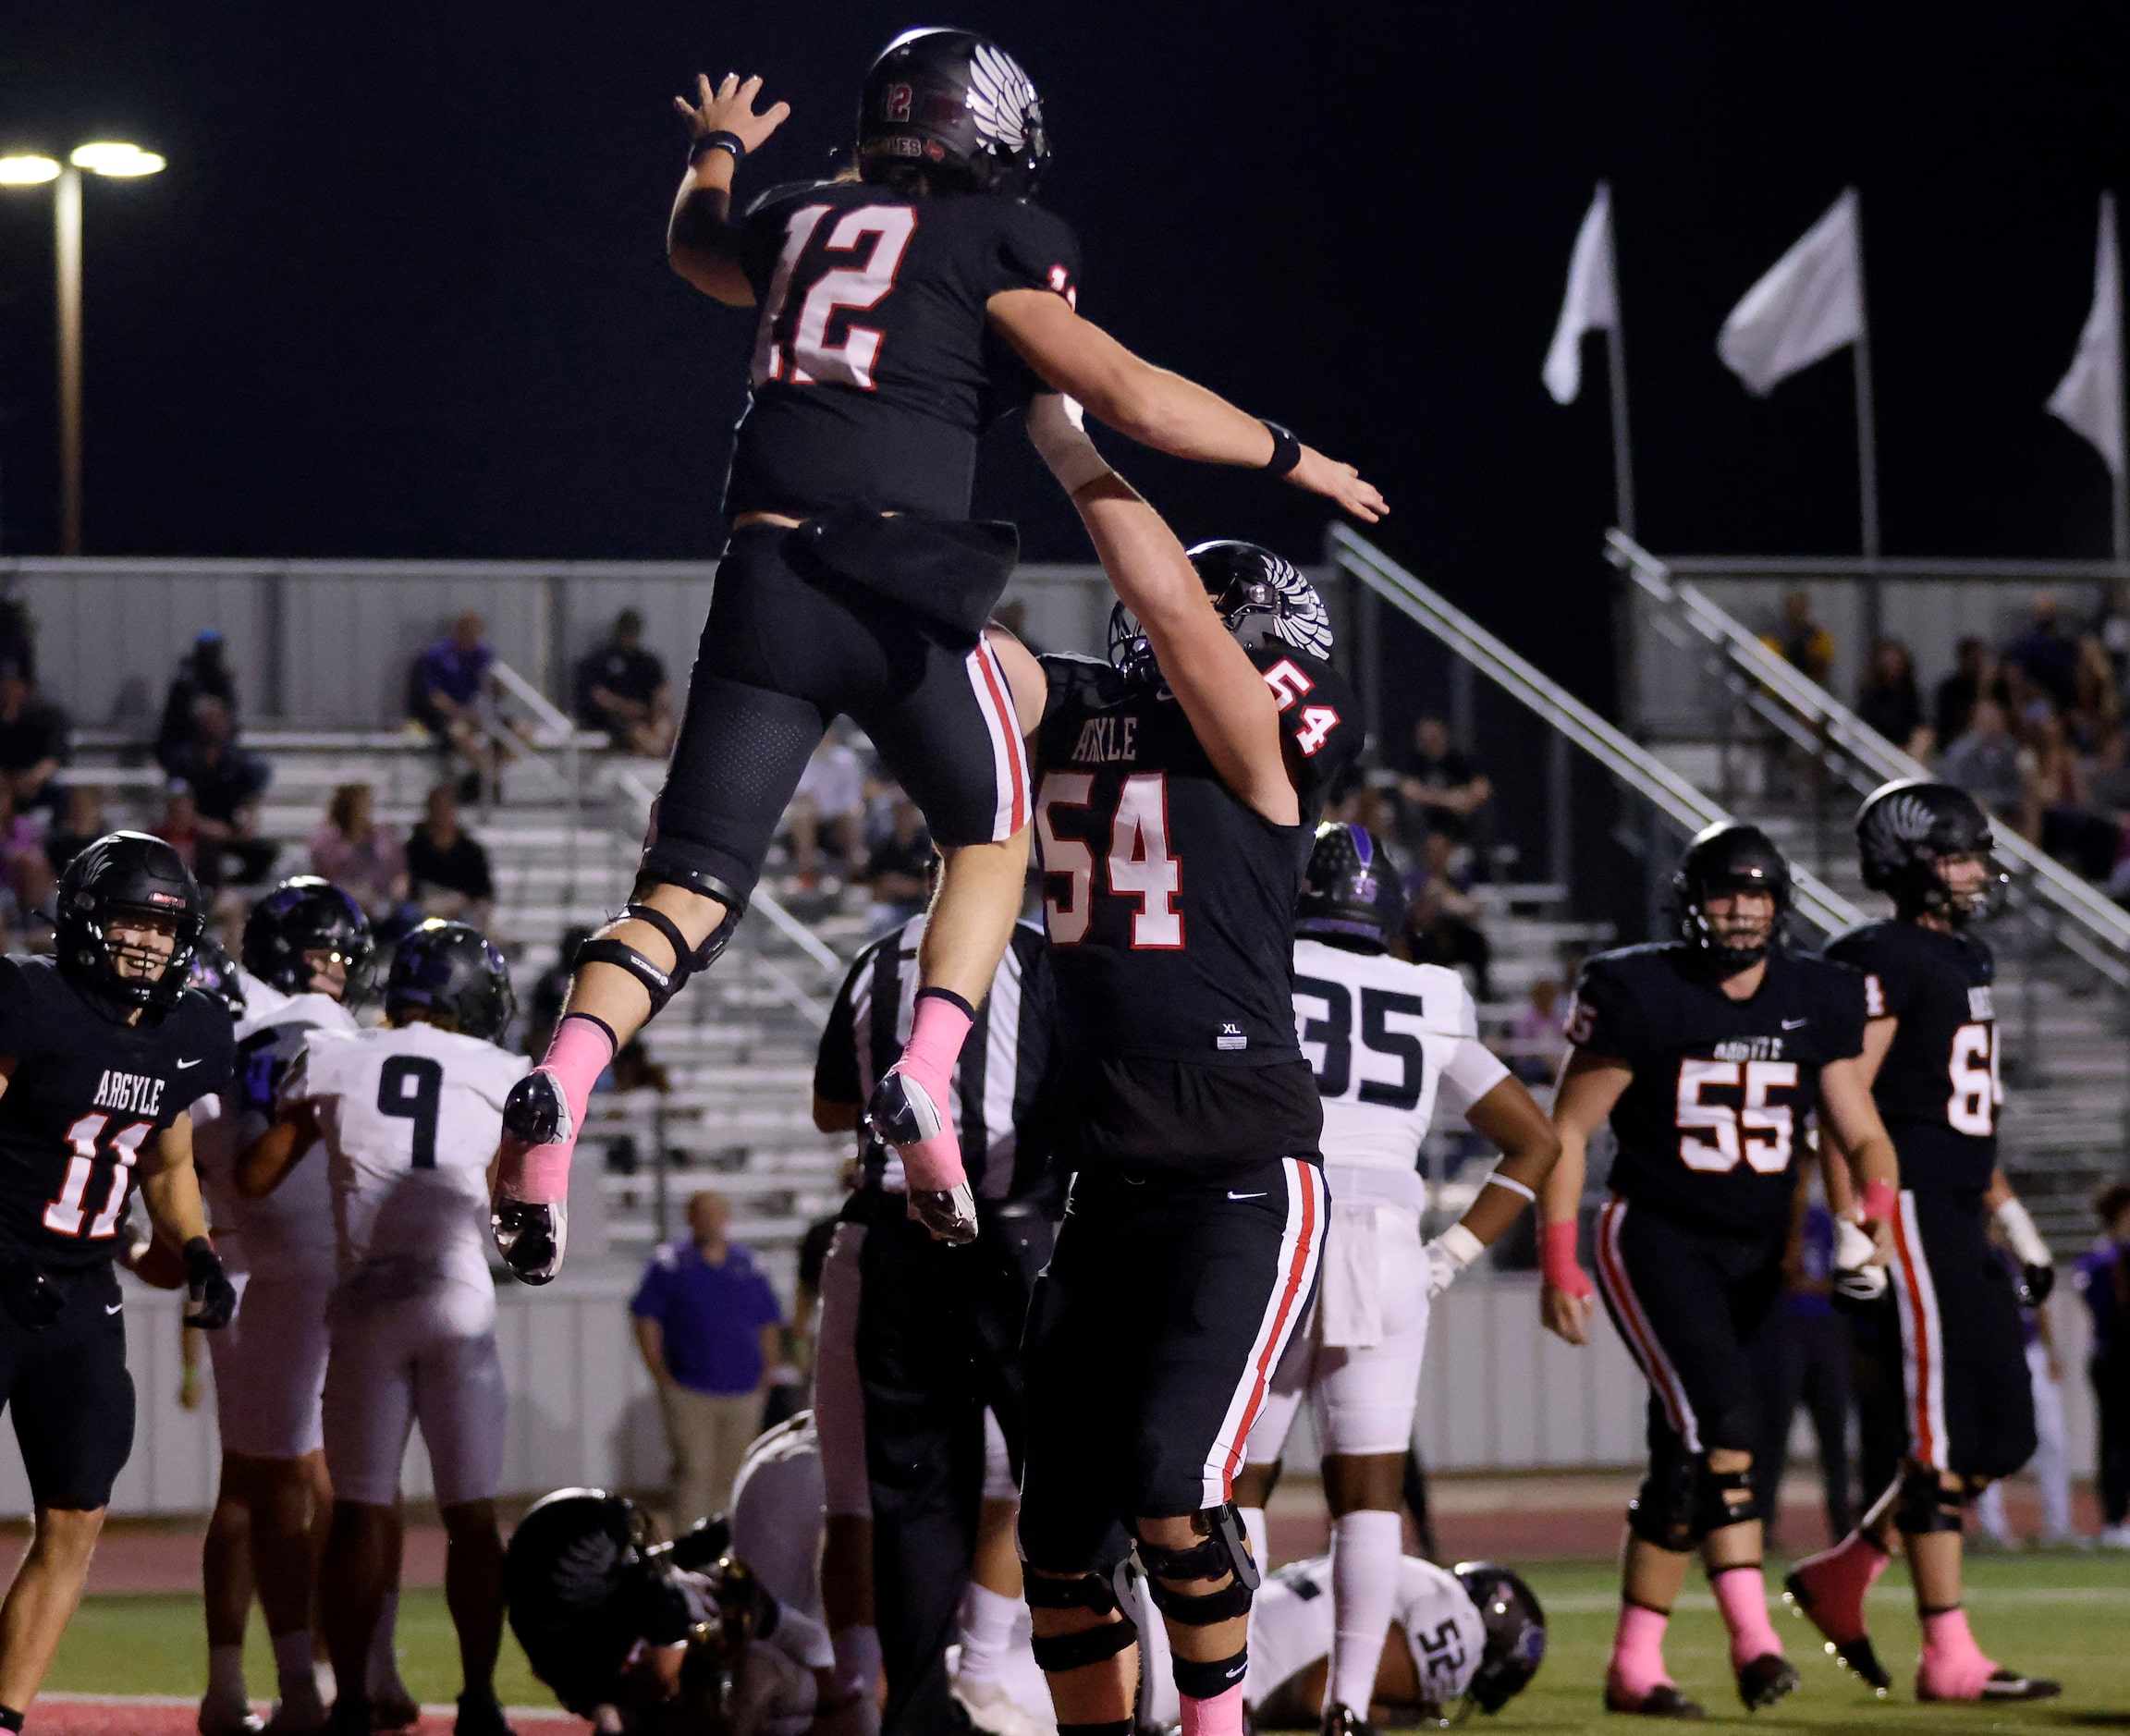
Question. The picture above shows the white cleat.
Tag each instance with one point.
(530, 1238)
(991, 1708)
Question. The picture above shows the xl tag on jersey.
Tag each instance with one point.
(1230, 1037)
(1979, 1003)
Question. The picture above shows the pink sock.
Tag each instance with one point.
(580, 1050)
(1220, 1716)
(1952, 1665)
(1637, 1665)
(1742, 1596)
(937, 1029)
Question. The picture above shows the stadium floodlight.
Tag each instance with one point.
(111, 158)
(27, 171)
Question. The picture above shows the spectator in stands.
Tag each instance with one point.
(28, 872)
(1801, 642)
(899, 872)
(1442, 919)
(447, 871)
(2095, 704)
(1973, 678)
(2102, 1279)
(2045, 652)
(363, 859)
(621, 690)
(2067, 825)
(1887, 699)
(1801, 1355)
(828, 804)
(1444, 787)
(446, 688)
(226, 783)
(80, 825)
(1989, 764)
(179, 823)
(202, 673)
(710, 1334)
(32, 740)
(1535, 1032)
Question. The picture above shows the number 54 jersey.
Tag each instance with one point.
(410, 1118)
(1710, 1128)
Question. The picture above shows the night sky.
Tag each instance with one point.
(402, 291)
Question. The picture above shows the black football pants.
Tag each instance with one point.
(68, 1393)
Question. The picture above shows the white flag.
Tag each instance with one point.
(1589, 305)
(1809, 304)
(2089, 397)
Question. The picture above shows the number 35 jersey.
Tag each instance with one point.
(1169, 902)
(410, 1118)
(87, 1093)
(1710, 1129)
(1937, 1087)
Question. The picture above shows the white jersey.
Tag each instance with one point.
(1388, 1042)
(289, 1233)
(411, 1117)
(1292, 1619)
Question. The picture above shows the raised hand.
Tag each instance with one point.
(728, 106)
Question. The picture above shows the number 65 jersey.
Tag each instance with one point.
(411, 1117)
(1710, 1128)
(1938, 1088)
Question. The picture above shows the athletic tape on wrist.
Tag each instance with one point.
(1460, 1245)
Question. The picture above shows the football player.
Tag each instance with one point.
(1454, 1639)
(306, 943)
(1386, 1038)
(102, 1052)
(1180, 785)
(405, 1117)
(1707, 1053)
(903, 308)
(1931, 1056)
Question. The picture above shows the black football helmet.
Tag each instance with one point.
(449, 968)
(1351, 892)
(950, 110)
(567, 1577)
(120, 873)
(301, 916)
(1906, 830)
(1723, 858)
(1515, 1632)
(1265, 601)
(214, 975)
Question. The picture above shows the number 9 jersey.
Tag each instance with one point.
(1710, 1127)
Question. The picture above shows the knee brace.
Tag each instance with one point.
(662, 986)
(1721, 1497)
(1926, 1505)
(1663, 1511)
(1096, 1592)
(1221, 1551)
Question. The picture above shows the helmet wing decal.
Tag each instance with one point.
(1002, 100)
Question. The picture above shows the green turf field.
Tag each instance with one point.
(2062, 1615)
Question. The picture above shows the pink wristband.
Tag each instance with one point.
(1557, 1259)
(1880, 1203)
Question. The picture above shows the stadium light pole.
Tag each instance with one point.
(123, 161)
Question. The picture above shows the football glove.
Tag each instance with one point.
(2036, 1265)
(1447, 1255)
(210, 1297)
(1859, 1275)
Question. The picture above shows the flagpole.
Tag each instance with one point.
(1867, 433)
(1616, 365)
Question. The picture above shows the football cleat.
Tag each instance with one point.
(1832, 1600)
(1342, 1720)
(1999, 1684)
(232, 1719)
(531, 1238)
(1662, 1701)
(993, 1710)
(1766, 1679)
(2009, 1684)
(480, 1715)
(536, 1113)
(903, 1115)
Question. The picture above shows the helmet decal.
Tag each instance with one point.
(1002, 100)
(1305, 623)
(1906, 818)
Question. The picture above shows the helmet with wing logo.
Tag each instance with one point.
(949, 110)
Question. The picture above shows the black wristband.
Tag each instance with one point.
(1286, 449)
(716, 141)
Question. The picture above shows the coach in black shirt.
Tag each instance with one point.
(448, 871)
(621, 688)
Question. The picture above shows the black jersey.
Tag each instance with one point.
(876, 368)
(1938, 1088)
(1710, 1129)
(1169, 903)
(87, 1090)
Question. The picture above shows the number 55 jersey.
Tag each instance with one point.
(1710, 1127)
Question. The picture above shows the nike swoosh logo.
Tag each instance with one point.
(183, 1065)
(1235, 1672)
(1247, 1196)
(1792, 1024)
(112, 1308)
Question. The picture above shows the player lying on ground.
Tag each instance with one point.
(903, 309)
(1930, 1057)
(306, 945)
(404, 1120)
(1386, 1038)
(678, 1639)
(1705, 1053)
(1452, 1641)
(102, 1052)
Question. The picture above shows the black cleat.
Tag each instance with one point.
(1766, 1679)
(480, 1716)
(1662, 1701)
(531, 1238)
(1342, 1720)
(2009, 1684)
(534, 1110)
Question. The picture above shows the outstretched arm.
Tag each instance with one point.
(702, 241)
(1154, 407)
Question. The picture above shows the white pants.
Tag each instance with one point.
(270, 1368)
(2050, 1463)
(1357, 1357)
(430, 1360)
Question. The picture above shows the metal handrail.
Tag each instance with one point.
(553, 723)
(1627, 759)
(2105, 941)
